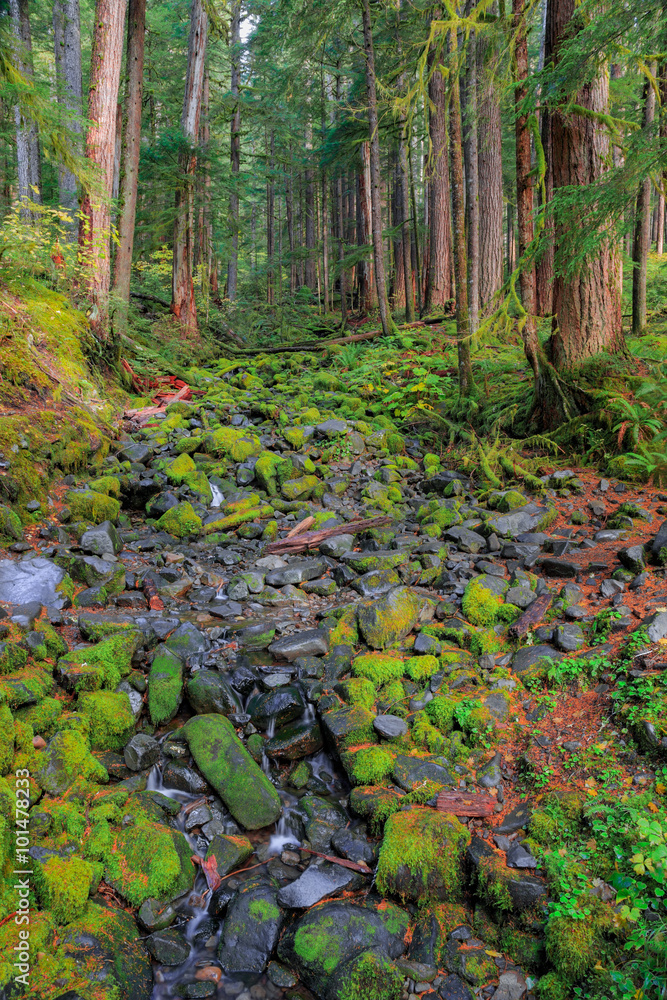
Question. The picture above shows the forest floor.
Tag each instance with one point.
(365, 769)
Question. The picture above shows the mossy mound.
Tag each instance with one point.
(110, 719)
(66, 758)
(480, 605)
(100, 666)
(369, 975)
(378, 667)
(87, 505)
(63, 885)
(181, 521)
(237, 445)
(385, 621)
(369, 765)
(421, 857)
(165, 686)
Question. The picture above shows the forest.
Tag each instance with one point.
(333, 499)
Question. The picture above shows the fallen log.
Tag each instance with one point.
(150, 298)
(313, 538)
(533, 614)
(301, 527)
(465, 805)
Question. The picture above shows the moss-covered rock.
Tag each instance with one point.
(378, 667)
(165, 686)
(100, 666)
(369, 765)
(480, 605)
(229, 768)
(66, 758)
(230, 442)
(12, 657)
(6, 739)
(229, 853)
(574, 944)
(421, 857)
(299, 489)
(11, 529)
(145, 861)
(62, 885)
(110, 719)
(383, 622)
(87, 505)
(180, 521)
(178, 469)
(420, 668)
(370, 974)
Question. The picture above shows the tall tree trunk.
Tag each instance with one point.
(524, 192)
(404, 179)
(397, 287)
(471, 158)
(289, 212)
(466, 383)
(325, 204)
(182, 285)
(587, 305)
(660, 241)
(27, 142)
(340, 234)
(136, 34)
(270, 220)
(439, 289)
(309, 184)
(490, 176)
(414, 239)
(376, 177)
(235, 151)
(642, 239)
(367, 295)
(95, 226)
(544, 272)
(67, 48)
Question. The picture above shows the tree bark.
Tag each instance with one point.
(182, 284)
(235, 151)
(67, 48)
(136, 34)
(340, 234)
(471, 159)
(524, 192)
(587, 305)
(397, 283)
(490, 177)
(438, 291)
(289, 212)
(660, 241)
(27, 142)
(642, 241)
(270, 220)
(376, 178)
(95, 225)
(367, 295)
(404, 179)
(544, 272)
(466, 383)
(309, 205)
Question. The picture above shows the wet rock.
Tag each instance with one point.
(296, 572)
(354, 846)
(251, 929)
(320, 879)
(337, 546)
(511, 986)
(409, 839)
(187, 641)
(410, 772)
(103, 947)
(31, 580)
(135, 452)
(141, 752)
(390, 727)
(280, 975)
(165, 685)
(229, 853)
(193, 991)
(295, 741)
(312, 642)
(522, 597)
(519, 857)
(178, 775)
(385, 621)
(330, 935)
(65, 758)
(155, 916)
(282, 705)
(453, 988)
(168, 947)
(375, 583)
(633, 558)
(209, 692)
(229, 768)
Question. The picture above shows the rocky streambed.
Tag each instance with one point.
(332, 772)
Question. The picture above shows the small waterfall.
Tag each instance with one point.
(284, 837)
(218, 496)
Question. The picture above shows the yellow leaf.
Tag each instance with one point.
(652, 807)
(493, 954)
(660, 788)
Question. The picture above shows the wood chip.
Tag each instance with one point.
(465, 805)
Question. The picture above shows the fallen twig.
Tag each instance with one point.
(352, 865)
(301, 527)
(533, 614)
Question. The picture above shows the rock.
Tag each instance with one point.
(569, 638)
(229, 853)
(530, 656)
(511, 986)
(280, 975)
(517, 819)
(608, 588)
(178, 775)
(251, 928)
(155, 916)
(364, 562)
(328, 936)
(347, 725)
(389, 726)
(101, 540)
(229, 768)
(656, 626)
(412, 771)
(421, 856)
(165, 685)
(633, 558)
(331, 428)
(522, 597)
(385, 621)
(453, 988)
(375, 583)
(320, 879)
(519, 857)
(351, 844)
(66, 758)
(135, 452)
(559, 567)
(31, 580)
(282, 705)
(523, 519)
(102, 948)
(293, 742)
(141, 752)
(168, 947)
(337, 546)
(296, 572)
(490, 775)
(312, 642)
(211, 693)
(465, 539)
(187, 641)
(660, 540)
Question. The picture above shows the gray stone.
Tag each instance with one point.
(490, 775)
(337, 545)
(633, 558)
(141, 752)
(528, 656)
(656, 626)
(390, 726)
(320, 879)
(519, 857)
(569, 637)
(518, 521)
(610, 587)
(376, 583)
(660, 541)
(511, 986)
(102, 539)
(516, 819)
(313, 642)
(31, 580)
(521, 597)
(296, 572)
(465, 539)
(331, 428)
(135, 452)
